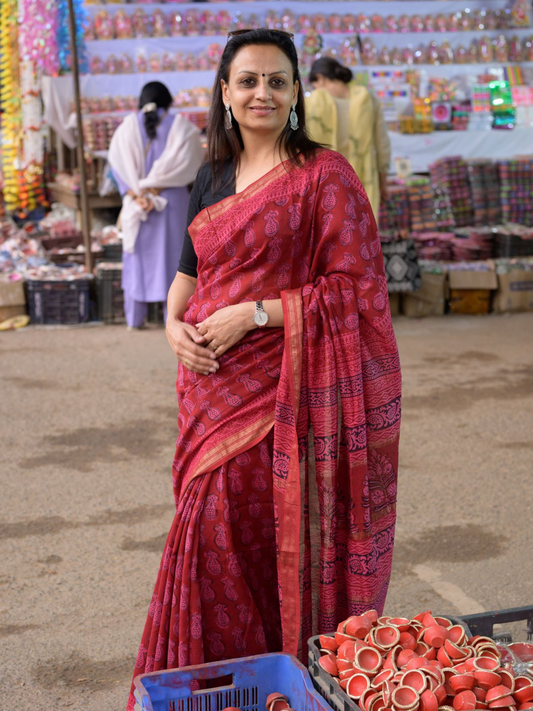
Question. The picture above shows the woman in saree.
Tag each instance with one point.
(349, 118)
(288, 385)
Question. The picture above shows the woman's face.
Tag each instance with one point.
(261, 89)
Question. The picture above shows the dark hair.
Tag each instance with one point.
(227, 145)
(154, 93)
(331, 69)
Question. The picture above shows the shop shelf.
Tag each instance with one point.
(242, 683)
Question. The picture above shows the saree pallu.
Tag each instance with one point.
(285, 470)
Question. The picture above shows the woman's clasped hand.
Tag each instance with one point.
(190, 347)
(199, 347)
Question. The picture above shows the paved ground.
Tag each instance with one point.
(88, 427)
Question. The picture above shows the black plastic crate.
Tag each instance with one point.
(59, 302)
(112, 252)
(109, 294)
(483, 622)
(328, 687)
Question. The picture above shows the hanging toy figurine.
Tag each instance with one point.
(123, 28)
(519, 13)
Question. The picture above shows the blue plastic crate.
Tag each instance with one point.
(253, 679)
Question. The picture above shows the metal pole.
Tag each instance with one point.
(85, 223)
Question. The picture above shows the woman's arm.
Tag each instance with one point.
(181, 290)
(184, 339)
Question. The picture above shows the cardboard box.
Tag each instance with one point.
(472, 280)
(429, 300)
(470, 301)
(394, 302)
(515, 291)
(12, 299)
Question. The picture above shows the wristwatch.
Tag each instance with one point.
(260, 316)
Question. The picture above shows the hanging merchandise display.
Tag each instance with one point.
(10, 101)
(31, 176)
(63, 35)
(38, 34)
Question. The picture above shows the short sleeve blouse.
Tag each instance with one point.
(203, 195)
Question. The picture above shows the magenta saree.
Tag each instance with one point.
(286, 465)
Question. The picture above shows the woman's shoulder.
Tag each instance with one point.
(326, 162)
(327, 159)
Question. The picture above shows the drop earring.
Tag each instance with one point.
(293, 118)
(228, 124)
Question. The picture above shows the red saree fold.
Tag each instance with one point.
(292, 447)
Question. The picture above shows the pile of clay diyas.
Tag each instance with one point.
(425, 663)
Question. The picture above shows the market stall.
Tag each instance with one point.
(455, 79)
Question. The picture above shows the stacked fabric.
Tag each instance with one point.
(429, 209)
(434, 246)
(394, 213)
(516, 190)
(451, 176)
(471, 243)
(485, 189)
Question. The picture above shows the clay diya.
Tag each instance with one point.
(428, 701)
(405, 698)
(329, 664)
(382, 677)
(457, 634)
(385, 636)
(373, 616)
(524, 695)
(369, 660)
(276, 702)
(366, 697)
(487, 679)
(496, 693)
(407, 640)
(486, 664)
(358, 627)
(357, 684)
(462, 682)
(465, 701)
(444, 622)
(522, 650)
(508, 679)
(402, 623)
(328, 643)
(404, 657)
(416, 680)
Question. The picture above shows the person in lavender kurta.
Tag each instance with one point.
(154, 155)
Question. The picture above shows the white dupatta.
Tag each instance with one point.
(176, 167)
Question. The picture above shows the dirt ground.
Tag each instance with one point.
(87, 438)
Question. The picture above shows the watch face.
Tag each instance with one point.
(261, 318)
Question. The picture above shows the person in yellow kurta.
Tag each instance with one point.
(348, 118)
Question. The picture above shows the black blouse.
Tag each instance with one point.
(202, 196)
